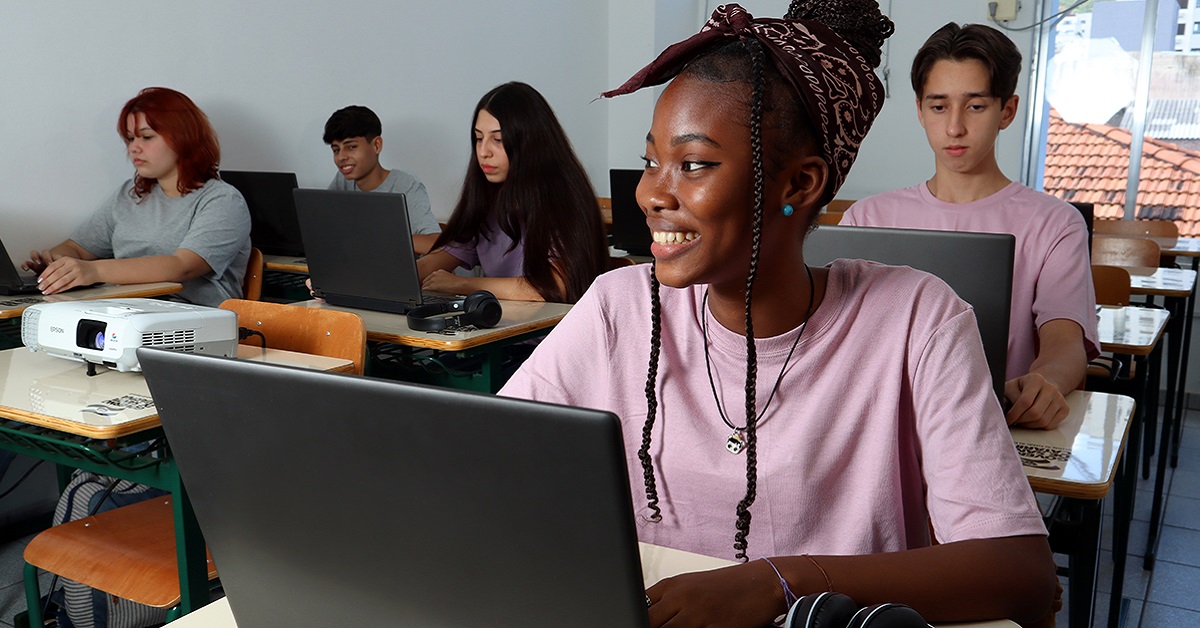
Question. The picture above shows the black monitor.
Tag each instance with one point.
(274, 228)
(629, 230)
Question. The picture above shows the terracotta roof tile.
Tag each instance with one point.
(1090, 163)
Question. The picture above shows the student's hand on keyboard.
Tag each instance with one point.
(38, 261)
(1036, 402)
(65, 273)
(445, 282)
(313, 292)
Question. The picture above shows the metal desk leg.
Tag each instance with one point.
(190, 552)
(1124, 494)
(1083, 520)
(1164, 448)
(1183, 368)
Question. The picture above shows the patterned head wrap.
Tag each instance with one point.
(836, 85)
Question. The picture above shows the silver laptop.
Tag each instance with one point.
(334, 500)
(12, 280)
(978, 266)
(359, 249)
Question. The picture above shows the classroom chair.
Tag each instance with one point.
(130, 551)
(615, 262)
(303, 330)
(253, 280)
(1127, 252)
(1137, 228)
(829, 217)
(1112, 285)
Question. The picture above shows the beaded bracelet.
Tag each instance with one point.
(789, 598)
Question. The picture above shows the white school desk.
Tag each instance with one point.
(1178, 287)
(657, 563)
(521, 320)
(12, 306)
(1079, 460)
(54, 411)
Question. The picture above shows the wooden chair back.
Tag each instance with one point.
(1112, 285)
(619, 262)
(1125, 252)
(839, 205)
(305, 330)
(1137, 228)
(253, 281)
(829, 217)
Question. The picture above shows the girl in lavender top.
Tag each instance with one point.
(527, 214)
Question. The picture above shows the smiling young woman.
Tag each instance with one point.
(861, 410)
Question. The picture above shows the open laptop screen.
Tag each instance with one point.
(978, 266)
(332, 500)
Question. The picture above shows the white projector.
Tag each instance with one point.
(109, 331)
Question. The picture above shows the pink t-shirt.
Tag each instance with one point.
(884, 421)
(1052, 272)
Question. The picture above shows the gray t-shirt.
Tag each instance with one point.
(420, 216)
(211, 222)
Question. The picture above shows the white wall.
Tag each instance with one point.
(895, 153)
(268, 74)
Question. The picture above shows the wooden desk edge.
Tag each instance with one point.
(98, 432)
(425, 342)
(287, 267)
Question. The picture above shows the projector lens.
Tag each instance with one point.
(89, 334)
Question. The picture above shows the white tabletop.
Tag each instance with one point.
(519, 317)
(1171, 282)
(1079, 458)
(1130, 329)
(57, 393)
(657, 563)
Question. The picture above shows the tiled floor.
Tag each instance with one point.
(1167, 597)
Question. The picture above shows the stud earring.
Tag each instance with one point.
(788, 210)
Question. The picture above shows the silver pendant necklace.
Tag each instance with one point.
(737, 439)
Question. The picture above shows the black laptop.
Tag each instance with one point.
(360, 250)
(12, 280)
(274, 228)
(629, 230)
(334, 500)
(978, 266)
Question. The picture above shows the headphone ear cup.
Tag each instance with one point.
(481, 309)
(887, 616)
(821, 610)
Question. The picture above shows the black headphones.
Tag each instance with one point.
(480, 309)
(835, 610)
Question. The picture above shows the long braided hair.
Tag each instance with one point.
(771, 103)
(726, 64)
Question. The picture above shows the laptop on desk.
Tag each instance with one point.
(360, 250)
(274, 228)
(330, 500)
(978, 266)
(12, 280)
(629, 230)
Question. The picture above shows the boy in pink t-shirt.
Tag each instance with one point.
(965, 78)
